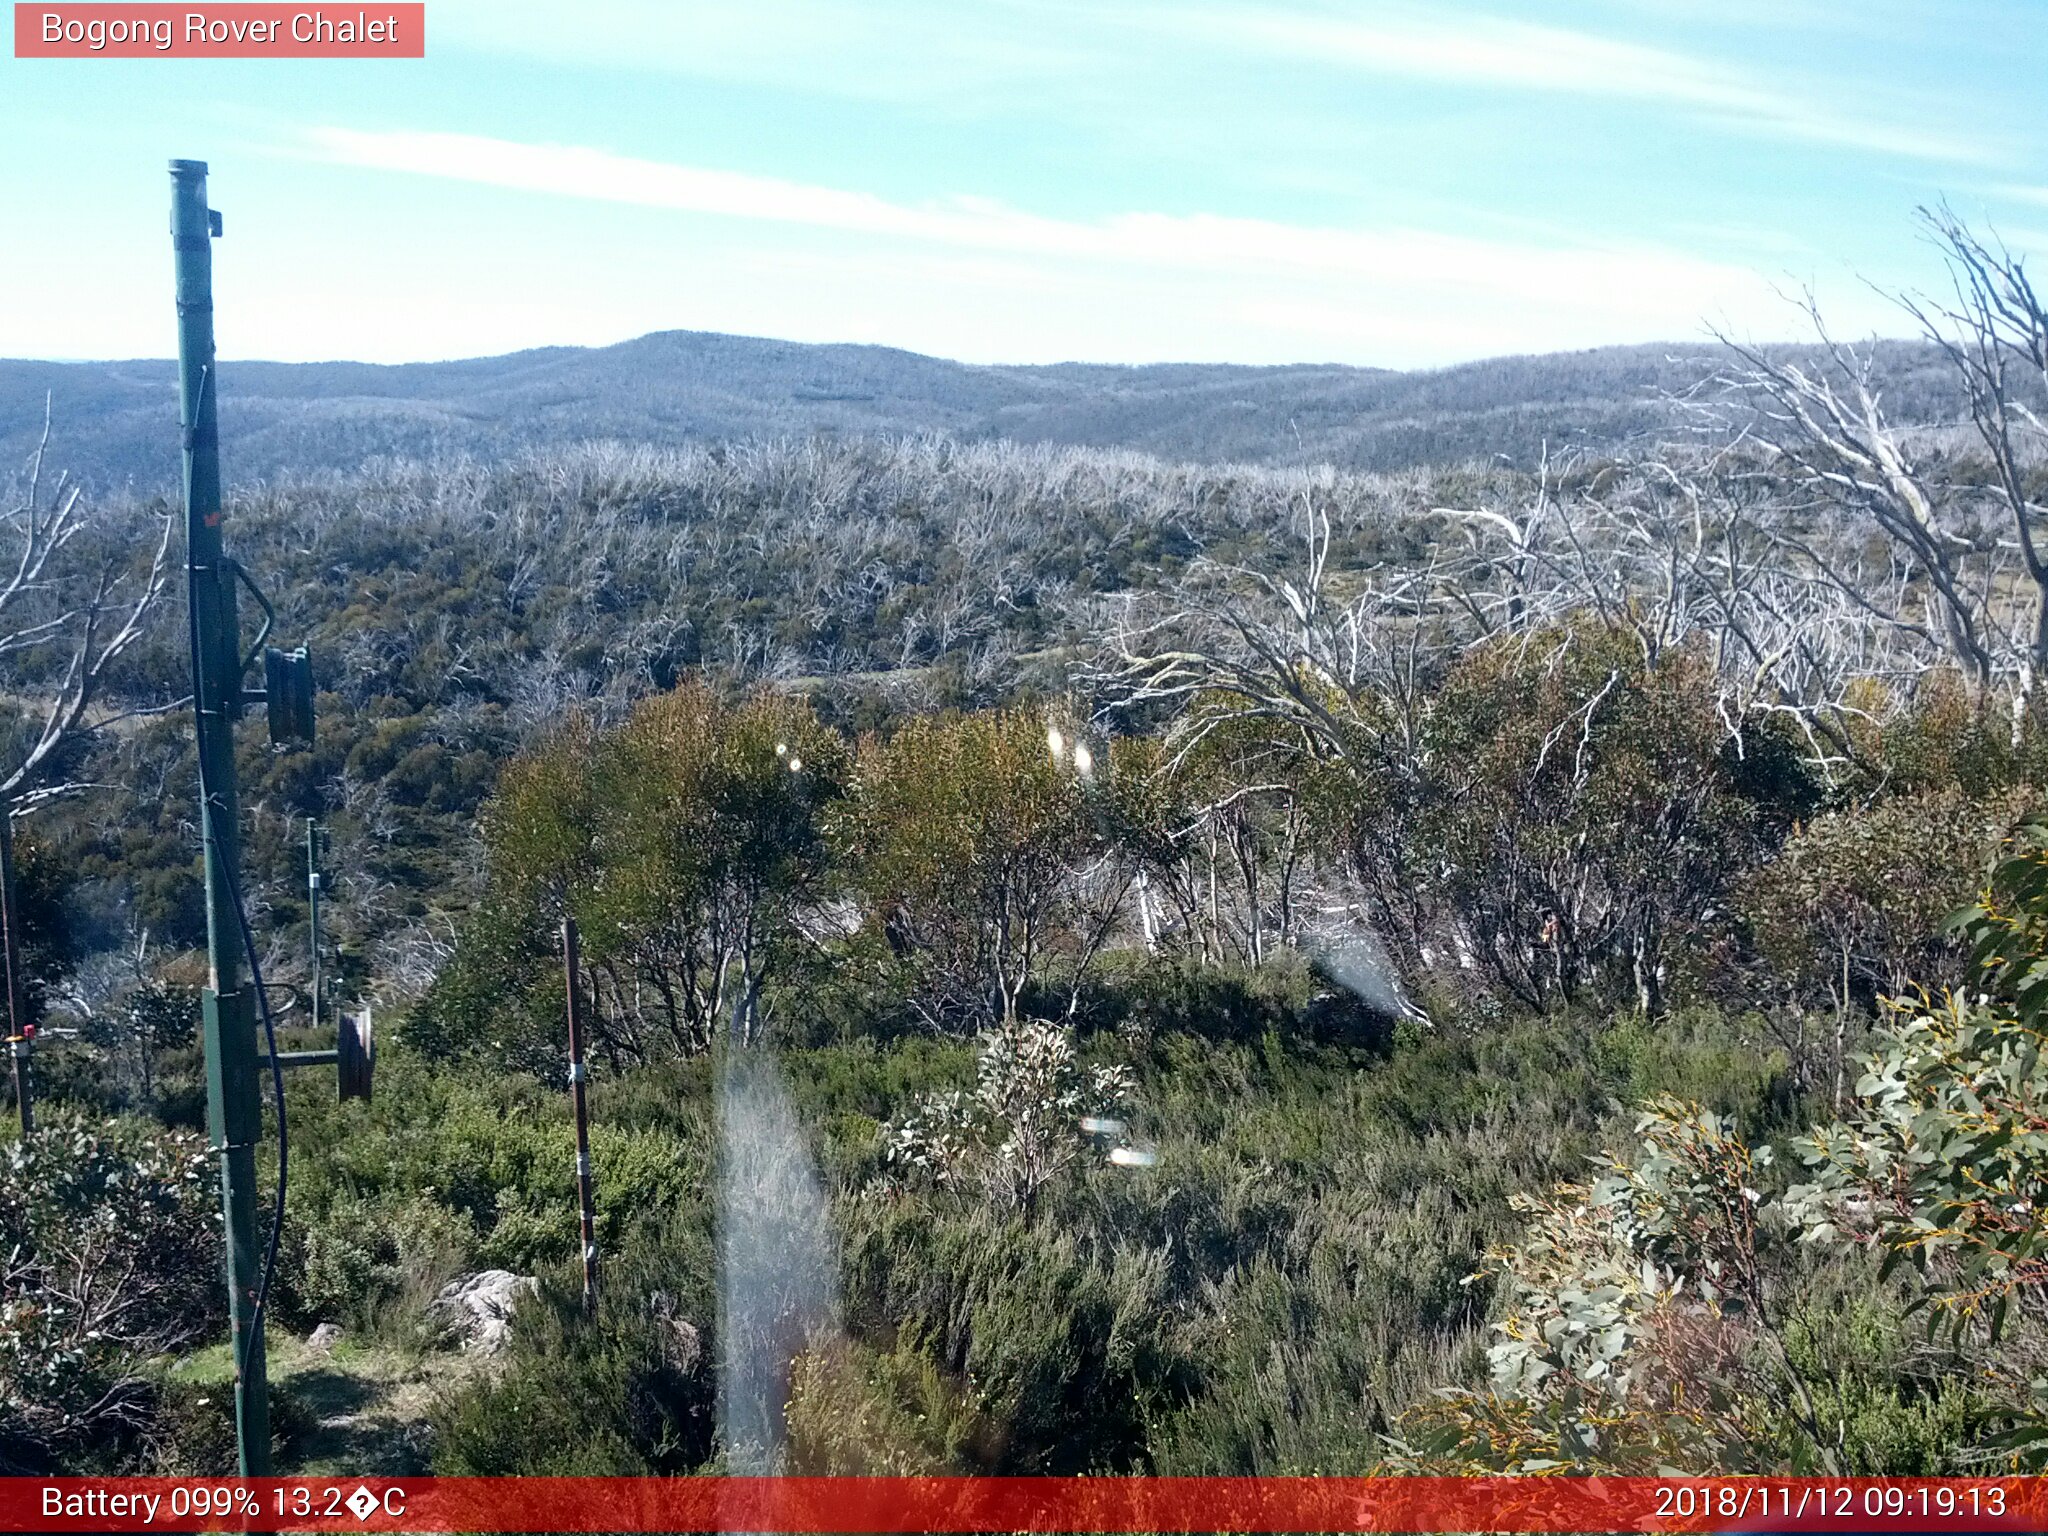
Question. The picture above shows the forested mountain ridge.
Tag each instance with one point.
(116, 420)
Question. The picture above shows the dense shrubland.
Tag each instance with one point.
(1505, 918)
(1288, 1284)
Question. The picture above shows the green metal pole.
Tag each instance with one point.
(313, 882)
(234, 1103)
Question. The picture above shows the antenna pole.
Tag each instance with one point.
(234, 1108)
(578, 1082)
(314, 882)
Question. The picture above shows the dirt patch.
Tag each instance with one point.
(366, 1404)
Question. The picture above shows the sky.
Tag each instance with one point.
(1394, 183)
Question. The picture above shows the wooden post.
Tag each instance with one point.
(20, 1041)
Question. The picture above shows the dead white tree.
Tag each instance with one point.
(1329, 670)
(1688, 547)
(67, 613)
(1338, 671)
(1824, 433)
(1994, 331)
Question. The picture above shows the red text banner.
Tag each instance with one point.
(976, 1504)
(235, 31)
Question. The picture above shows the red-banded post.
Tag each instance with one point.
(579, 1079)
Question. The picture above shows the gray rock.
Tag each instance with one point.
(477, 1309)
(324, 1337)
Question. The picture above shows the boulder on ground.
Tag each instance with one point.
(324, 1337)
(477, 1309)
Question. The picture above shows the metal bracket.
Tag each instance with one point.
(290, 1059)
(354, 1056)
(287, 688)
(269, 613)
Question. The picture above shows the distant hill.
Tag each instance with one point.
(116, 422)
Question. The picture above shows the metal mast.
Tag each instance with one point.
(234, 1069)
(234, 1103)
(316, 882)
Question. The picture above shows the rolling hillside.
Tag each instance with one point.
(114, 422)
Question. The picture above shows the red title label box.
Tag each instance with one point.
(237, 31)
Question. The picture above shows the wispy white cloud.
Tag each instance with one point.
(979, 279)
(928, 52)
(1012, 53)
(1461, 47)
(2026, 240)
(1621, 276)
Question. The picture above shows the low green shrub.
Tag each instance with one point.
(629, 1392)
(110, 1232)
(191, 1429)
(364, 1260)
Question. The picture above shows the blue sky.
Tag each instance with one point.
(1397, 184)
